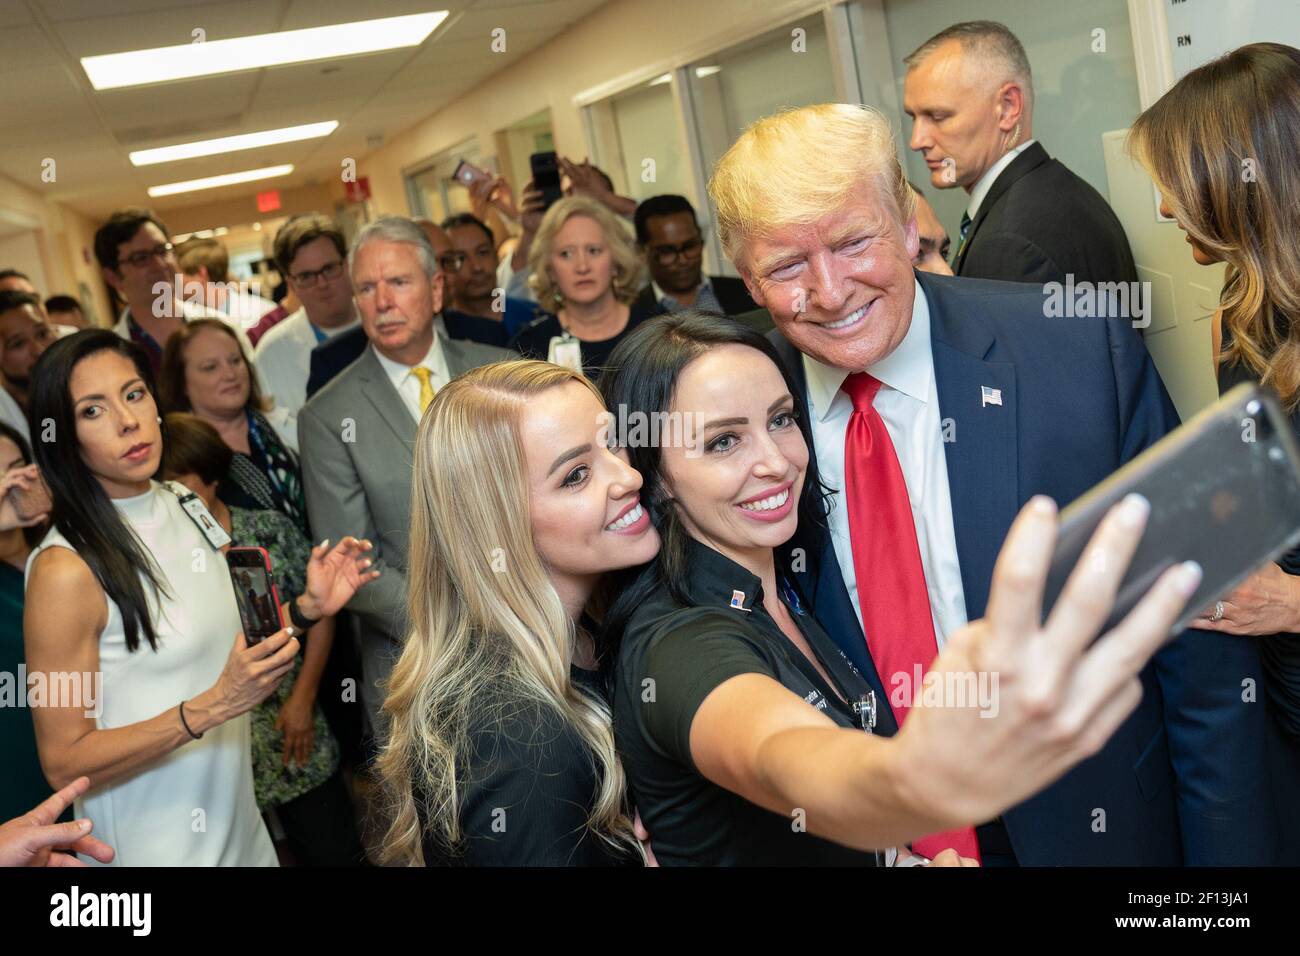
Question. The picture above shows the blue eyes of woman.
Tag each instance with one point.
(779, 421)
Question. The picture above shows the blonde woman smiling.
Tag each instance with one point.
(501, 750)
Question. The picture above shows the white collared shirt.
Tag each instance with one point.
(406, 382)
(908, 402)
(283, 358)
(985, 182)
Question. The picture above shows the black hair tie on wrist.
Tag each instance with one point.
(301, 621)
(185, 723)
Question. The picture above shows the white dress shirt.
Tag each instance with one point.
(283, 358)
(406, 382)
(908, 402)
(985, 182)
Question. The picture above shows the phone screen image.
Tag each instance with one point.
(255, 592)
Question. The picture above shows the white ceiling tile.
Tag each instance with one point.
(553, 16)
(183, 100)
(22, 48)
(37, 92)
(167, 27)
(312, 13)
(58, 10)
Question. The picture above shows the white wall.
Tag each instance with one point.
(19, 251)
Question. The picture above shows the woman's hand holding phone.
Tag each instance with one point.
(252, 674)
(1058, 695)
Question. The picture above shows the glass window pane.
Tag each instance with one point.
(1082, 88)
(434, 194)
(787, 67)
(651, 154)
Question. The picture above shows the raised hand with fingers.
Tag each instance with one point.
(1060, 691)
(334, 576)
(34, 839)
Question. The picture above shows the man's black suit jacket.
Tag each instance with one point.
(731, 294)
(1040, 222)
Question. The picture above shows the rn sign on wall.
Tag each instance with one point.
(1200, 30)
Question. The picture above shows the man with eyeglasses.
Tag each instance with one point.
(470, 265)
(24, 335)
(668, 233)
(310, 253)
(138, 261)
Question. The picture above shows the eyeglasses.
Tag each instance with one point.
(138, 259)
(311, 276)
(452, 261)
(689, 249)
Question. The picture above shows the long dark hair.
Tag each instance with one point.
(1236, 115)
(642, 378)
(83, 513)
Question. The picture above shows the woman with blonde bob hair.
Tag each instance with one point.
(501, 750)
(586, 275)
(1220, 146)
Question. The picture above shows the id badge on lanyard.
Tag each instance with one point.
(565, 350)
(194, 507)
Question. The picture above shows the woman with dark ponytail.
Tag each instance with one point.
(130, 612)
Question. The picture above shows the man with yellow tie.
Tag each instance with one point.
(357, 433)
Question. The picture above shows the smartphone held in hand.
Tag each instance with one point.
(546, 176)
(1224, 491)
(255, 590)
(467, 174)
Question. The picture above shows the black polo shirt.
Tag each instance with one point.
(670, 659)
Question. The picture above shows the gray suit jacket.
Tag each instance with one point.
(356, 440)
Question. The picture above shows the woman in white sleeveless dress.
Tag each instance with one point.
(126, 585)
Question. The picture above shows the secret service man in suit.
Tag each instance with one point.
(357, 434)
(970, 94)
(942, 405)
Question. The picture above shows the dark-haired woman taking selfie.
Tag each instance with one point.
(127, 588)
(739, 721)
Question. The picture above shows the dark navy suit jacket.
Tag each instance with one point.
(1182, 781)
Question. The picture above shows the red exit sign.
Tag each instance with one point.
(268, 201)
(357, 191)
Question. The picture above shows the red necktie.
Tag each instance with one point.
(892, 595)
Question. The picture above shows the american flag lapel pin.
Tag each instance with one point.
(738, 600)
(990, 396)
